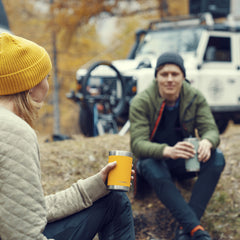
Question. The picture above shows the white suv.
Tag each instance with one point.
(211, 53)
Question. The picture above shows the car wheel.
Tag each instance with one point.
(86, 120)
(108, 90)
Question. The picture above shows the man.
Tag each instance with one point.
(168, 111)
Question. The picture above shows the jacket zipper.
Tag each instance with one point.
(158, 120)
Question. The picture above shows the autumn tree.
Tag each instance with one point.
(74, 23)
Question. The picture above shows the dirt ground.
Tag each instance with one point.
(64, 162)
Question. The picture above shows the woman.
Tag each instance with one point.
(78, 212)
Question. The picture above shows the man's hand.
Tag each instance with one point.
(204, 150)
(183, 150)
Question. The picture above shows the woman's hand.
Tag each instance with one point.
(105, 171)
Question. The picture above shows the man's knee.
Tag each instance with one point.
(216, 163)
(219, 160)
(152, 168)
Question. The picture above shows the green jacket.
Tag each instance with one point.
(146, 111)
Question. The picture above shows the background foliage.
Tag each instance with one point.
(78, 43)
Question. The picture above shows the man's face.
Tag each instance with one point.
(170, 79)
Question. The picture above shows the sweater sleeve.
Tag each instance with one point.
(22, 203)
(205, 122)
(79, 196)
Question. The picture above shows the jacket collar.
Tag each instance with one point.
(185, 93)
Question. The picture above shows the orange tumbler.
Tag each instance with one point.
(119, 178)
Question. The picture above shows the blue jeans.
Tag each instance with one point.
(159, 174)
(110, 217)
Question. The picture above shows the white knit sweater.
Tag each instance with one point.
(24, 211)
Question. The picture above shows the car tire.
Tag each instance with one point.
(222, 125)
(89, 100)
(86, 121)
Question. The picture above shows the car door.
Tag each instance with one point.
(219, 75)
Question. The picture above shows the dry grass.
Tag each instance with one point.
(66, 161)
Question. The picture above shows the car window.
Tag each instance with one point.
(218, 50)
(179, 40)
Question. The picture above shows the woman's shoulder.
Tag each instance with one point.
(12, 125)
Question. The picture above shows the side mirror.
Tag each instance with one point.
(145, 63)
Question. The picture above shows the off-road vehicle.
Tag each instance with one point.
(211, 51)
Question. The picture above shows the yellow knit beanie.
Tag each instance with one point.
(23, 64)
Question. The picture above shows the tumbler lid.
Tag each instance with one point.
(120, 153)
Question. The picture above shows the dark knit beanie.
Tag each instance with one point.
(172, 58)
